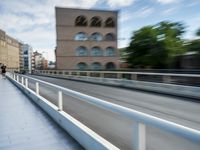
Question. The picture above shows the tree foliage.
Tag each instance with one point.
(155, 46)
(194, 45)
(198, 32)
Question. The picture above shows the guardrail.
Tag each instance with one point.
(142, 119)
(172, 78)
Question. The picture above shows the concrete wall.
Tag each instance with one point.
(171, 89)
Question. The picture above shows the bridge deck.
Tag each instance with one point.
(24, 126)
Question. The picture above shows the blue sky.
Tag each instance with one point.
(33, 21)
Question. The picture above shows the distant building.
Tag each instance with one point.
(38, 60)
(27, 56)
(86, 39)
(9, 51)
(33, 62)
(44, 63)
(21, 57)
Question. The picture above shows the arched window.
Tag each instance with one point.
(110, 22)
(81, 21)
(81, 51)
(110, 66)
(82, 66)
(96, 66)
(110, 37)
(96, 37)
(96, 51)
(110, 51)
(95, 22)
(81, 36)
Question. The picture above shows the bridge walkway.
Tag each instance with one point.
(23, 125)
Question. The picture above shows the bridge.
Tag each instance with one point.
(94, 115)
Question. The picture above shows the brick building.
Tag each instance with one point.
(86, 39)
(9, 51)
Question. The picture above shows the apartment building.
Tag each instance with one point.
(9, 51)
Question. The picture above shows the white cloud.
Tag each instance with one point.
(167, 1)
(34, 21)
(120, 3)
(192, 27)
(169, 11)
(141, 13)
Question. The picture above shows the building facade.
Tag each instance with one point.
(27, 57)
(86, 39)
(9, 51)
(21, 57)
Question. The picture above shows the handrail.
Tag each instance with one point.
(141, 118)
(134, 73)
(130, 113)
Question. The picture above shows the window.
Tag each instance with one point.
(109, 37)
(110, 66)
(95, 22)
(81, 21)
(81, 66)
(25, 52)
(81, 51)
(96, 51)
(96, 37)
(96, 66)
(81, 36)
(109, 22)
(110, 51)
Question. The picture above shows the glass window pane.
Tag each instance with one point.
(80, 37)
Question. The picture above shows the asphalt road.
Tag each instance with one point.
(119, 130)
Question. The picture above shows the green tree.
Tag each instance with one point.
(198, 32)
(155, 46)
(194, 45)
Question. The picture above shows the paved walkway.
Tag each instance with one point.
(24, 126)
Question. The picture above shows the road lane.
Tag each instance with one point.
(118, 129)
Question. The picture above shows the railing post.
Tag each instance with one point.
(17, 78)
(26, 83)
(139, 136)
(22, 80)
(166, 79)
(101, 75)
(88, 74)
(60, 101)
(134, 77)
(119, 75)
(37, 88)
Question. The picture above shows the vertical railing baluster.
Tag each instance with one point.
(60, 101)
(37, 88)
(22, 80)
(139, 136)
(26, 82)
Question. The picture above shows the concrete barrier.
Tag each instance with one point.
(85, 136)
(171, 89)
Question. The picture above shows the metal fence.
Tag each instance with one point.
(142, 119)
(172, 78)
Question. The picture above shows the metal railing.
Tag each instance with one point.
(142, 119)
(173, 78)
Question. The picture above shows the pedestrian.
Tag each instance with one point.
(3, 70)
